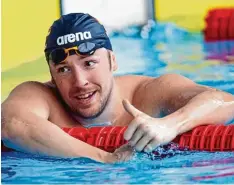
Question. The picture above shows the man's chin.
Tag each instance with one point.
(88, 114)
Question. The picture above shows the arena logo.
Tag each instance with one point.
(70, 38)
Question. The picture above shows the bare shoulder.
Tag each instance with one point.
(151, 93)
(131, 80)
(167, 93)
(141, 81)
(30, 90)
(29, 96)
(174, 78)
(157, 88)
(128, 84)
(167, 81)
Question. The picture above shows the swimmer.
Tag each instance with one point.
(83, 93)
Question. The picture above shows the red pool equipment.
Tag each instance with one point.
(201, 138)
(205, 138)
(219, 24)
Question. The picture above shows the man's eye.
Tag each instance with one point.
(90, 63)
(64, 69)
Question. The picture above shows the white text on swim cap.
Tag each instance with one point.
(70, 38)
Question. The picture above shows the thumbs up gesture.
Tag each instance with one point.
(145, 133)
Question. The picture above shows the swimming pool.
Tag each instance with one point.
(149, 50)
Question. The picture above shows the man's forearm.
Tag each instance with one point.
(209, 107)
(39, 136)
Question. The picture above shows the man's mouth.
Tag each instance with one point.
(85, 96)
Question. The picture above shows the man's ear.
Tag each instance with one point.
(114, 64)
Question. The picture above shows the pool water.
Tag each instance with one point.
(185, 167)
(150, 50)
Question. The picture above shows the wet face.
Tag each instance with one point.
(85, 83)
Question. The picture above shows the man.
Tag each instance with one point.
(83, 92)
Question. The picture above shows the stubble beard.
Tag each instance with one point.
(93, 113)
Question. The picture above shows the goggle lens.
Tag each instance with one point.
(60, 54)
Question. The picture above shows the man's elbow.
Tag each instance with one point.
(8, 128)
(11, 123)
(12, 134)
(4, 133)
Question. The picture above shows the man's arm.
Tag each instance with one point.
(188, 104)
(179, 97)
(185, 104)
(207, 107)
(25, 127)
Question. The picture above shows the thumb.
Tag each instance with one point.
(131, 109)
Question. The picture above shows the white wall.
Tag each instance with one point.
(114, 14)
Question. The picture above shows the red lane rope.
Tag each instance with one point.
(219, 24)
(202, 138)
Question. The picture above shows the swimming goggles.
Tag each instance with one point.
(60, 54)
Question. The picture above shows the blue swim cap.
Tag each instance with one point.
(75, 29)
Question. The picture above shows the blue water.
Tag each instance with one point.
(150, 50)
(186, 167)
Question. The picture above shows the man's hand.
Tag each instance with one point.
(145, 132)
(121, 154)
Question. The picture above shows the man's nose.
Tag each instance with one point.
(80, 77)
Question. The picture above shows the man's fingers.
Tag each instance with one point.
(136, 137)
(132, 127)
(152, 145)
(142, 143)
(131, 109)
